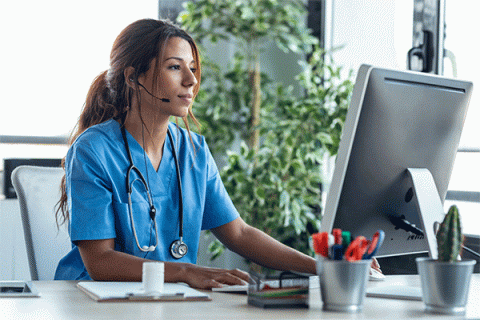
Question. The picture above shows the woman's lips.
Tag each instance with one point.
(186, 97)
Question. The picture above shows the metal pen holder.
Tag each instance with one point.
(343, 284)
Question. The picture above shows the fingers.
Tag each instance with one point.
(375, 265)
(231, 277)
(240, 274)
(208, 278)
(210, 283)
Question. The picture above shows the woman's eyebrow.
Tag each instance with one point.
(179, 59)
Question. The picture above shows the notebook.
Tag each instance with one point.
(133, 291)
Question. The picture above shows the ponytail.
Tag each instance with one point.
(99, 106)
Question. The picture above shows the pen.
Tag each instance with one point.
(336, 249)
(320, 243)
(336, 252)
(346, 239)
(337, 235)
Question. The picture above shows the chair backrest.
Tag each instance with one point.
(38, 191)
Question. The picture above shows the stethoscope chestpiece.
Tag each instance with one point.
(178, 249)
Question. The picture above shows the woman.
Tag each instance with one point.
(154, 74)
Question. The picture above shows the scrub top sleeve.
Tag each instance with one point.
(89, 194)
(219, 208)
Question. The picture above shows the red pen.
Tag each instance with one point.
(337, 234)
(320, 243)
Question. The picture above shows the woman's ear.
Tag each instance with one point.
(129, 74)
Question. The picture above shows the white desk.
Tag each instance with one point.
(63, 300)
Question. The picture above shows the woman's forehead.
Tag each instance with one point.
(179, 49)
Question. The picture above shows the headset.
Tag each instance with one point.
(178, 248)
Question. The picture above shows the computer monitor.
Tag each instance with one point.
(395, 158)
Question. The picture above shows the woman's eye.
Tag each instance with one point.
(193, 70)
(175, 67)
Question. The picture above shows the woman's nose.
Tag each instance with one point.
(190, 79)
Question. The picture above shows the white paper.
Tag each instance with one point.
(121, 290)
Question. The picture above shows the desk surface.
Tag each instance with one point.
(63, 300)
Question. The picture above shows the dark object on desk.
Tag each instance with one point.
(17, 289)
(400, 265)
(289, 290)
(403, 265)
(10, 164)
(473, 243)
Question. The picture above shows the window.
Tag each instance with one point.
(462, 62)
(51, 52)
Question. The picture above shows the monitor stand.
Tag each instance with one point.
(429, 205)
(430, 209)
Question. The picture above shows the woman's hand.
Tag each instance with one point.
(375, 265)
(208, 278)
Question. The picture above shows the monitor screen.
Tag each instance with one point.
(395, 158)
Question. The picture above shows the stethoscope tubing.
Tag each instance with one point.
(146, 249)
(150, 200)
(180, 192)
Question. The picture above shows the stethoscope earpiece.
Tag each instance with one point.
(148, 249)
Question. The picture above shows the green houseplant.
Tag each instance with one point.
(274, 177)
(445, 281)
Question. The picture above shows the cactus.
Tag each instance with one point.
(449, 236)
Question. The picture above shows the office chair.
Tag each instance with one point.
(38, 191)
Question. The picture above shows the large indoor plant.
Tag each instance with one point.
(275, 177)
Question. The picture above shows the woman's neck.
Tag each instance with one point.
(150, 134)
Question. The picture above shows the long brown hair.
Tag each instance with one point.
(109, 97)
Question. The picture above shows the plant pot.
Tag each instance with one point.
(445, 284)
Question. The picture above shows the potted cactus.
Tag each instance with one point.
(449, 236)
(445, 281)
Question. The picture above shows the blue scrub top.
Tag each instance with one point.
(96, 167)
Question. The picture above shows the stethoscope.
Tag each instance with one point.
(178, 248)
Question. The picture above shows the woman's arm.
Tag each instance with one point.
(262, 249)
(106, 264)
